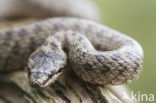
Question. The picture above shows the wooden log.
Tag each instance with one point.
(15, 88)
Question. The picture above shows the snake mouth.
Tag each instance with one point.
(51, 80)
(43, 80)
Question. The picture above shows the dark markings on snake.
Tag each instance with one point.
(22, 32)
(84, 54)
(90, 27)
(33, 42)
(53, 44)
(129, 55)
(54, 56)
(114, 58)
(100, 33)
(40, 53)
(100, 56)
(43, 64)
(117, 56)
(46, 63)
(37, 28)
(117, 59)
(106, 69)
(57, 26)
(87, 66)
(77, 26)
(9, 34)
(45, 43)
(137, 64)
(16, 48)
(117, 73)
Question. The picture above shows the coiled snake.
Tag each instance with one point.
(96, 53)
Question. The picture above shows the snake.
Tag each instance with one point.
(96, 53)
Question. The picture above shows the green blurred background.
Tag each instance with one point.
(136, 18)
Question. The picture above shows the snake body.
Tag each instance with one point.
(96, 53)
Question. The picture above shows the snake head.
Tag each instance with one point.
(44, 67)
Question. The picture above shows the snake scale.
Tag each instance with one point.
(96, 53)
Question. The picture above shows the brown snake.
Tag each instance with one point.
(96, 53)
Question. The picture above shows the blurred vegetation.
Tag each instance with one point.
(136, 18)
